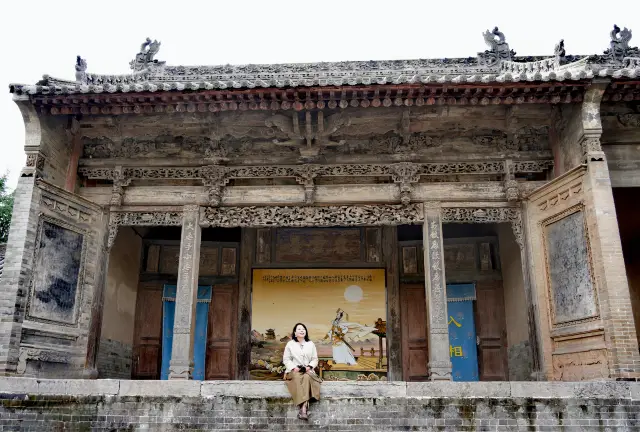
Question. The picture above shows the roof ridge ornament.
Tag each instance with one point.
(619, 45)
(81, 69)
(144, 58)
(499, 48)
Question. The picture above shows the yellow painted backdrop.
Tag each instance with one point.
(283, 297)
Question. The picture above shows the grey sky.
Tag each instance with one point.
(44, 37)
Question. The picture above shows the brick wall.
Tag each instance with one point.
(114, 359)
(29, 404)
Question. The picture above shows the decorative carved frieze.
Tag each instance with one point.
(511, 215)
(125, 218)
(630, 119)
(365, 215)
(39, 354)
(66, 209)
(224, 173)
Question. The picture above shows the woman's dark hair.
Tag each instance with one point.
(306, 332)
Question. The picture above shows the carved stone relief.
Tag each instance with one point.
(38, 354)
(572, 292)
(54, 289)
(581, 366)
(631, 120)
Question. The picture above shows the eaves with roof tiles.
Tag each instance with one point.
(496, 66)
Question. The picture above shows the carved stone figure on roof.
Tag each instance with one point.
(560, 53)
(499, 48)
(148, 50)
(619, 45)
(81, 69)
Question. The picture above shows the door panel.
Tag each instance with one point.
(414, 332)
(492, 331)
(221, 333)
(147, 333)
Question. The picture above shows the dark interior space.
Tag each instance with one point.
(628, 213)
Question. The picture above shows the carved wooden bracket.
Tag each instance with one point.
(215, 178)
(405, 174)
(120, 181)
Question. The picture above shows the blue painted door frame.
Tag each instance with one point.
(200, 334)
(463, 350)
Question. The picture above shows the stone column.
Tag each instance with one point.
(439, 365)
(181, 364)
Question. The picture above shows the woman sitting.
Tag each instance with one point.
(300, 359)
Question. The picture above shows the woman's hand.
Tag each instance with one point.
(308, 368)
(296, 369)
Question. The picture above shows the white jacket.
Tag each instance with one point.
(295, 354)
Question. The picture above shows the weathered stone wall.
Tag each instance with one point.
(114, 352)
(519, 353)
(28, 404)
(114, 359)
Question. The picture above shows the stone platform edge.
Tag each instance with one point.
(12, 387)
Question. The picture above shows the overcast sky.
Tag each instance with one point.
(44, 37)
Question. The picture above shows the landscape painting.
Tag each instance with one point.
(343, 309)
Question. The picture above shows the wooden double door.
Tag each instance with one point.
(490, 328)
(215, 332)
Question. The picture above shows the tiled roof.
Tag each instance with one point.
(496, 65)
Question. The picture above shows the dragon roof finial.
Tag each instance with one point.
(499, 48)
(619, 46)
(144, 58)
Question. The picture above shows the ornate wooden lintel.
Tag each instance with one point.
(404, 174)
(512, 215)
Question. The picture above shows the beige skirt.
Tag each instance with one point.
(303, 387)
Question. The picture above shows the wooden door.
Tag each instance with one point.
(414, 332)
(148, 332)
(492, 331)
(221, 333)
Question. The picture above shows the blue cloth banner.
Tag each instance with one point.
(462, 332)
(200, 336)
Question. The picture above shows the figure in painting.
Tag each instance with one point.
(342, 351)
(300, 359)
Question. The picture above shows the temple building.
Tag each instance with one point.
(470, 219)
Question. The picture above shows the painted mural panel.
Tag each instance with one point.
(56, 274)
(343, 309)
(572, 292)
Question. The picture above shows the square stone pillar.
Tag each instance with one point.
(181, 364)
(439, 365)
